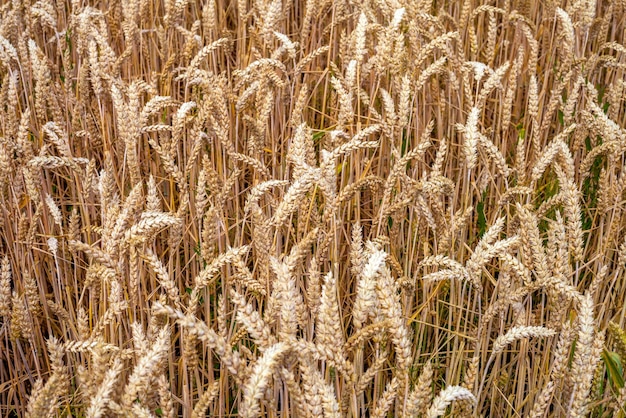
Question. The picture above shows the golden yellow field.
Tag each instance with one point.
(312, 208)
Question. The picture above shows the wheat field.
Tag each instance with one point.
(312, 208)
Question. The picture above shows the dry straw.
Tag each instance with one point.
(312, 208)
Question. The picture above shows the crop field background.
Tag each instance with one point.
(312, 208)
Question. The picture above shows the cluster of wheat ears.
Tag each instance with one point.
(317, 208)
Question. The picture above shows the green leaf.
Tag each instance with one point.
(340, 167)
(317, 136)
(404, 143)
(614, 367)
